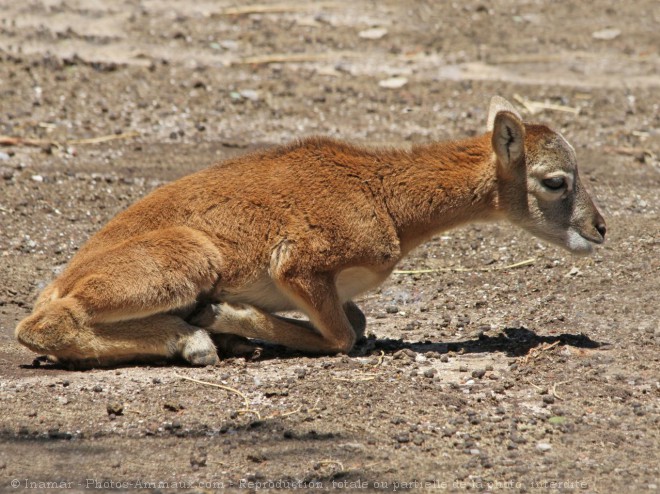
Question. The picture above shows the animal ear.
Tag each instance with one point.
(498, 104)
(508, 139)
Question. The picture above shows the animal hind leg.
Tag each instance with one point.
(157, 272)
(153, 338)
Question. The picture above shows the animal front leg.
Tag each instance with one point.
(225, 321)
(357, 319)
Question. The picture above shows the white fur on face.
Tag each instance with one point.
(577, 243)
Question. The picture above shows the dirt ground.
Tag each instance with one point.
(475, 376)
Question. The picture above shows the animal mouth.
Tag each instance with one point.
(580, 243)
(593, 239)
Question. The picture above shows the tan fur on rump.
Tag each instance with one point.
(308, 226)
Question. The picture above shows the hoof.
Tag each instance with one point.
(230, 345)
(357, 319)
(202, 358)
(199, 349)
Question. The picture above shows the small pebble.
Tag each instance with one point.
(411, 326)
(114, 408)
(257, 457)
(198, 459)
(172, 406)
(404, 354)
(403, 437)
(479, 373)
(393, 82)
(543, 447)
(7, 173)
(373, 33)
(391, 309)
(606, 34)
(418, 439)
(250, 94)
(517, 438)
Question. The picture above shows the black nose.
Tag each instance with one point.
(602, 229)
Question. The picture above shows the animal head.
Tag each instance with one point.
(538, 184)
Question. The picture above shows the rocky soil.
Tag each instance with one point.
(499, 364)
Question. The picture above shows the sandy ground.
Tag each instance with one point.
(476, 376)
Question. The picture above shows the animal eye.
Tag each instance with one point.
(554, 183)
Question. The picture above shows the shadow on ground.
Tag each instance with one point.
(514, 342)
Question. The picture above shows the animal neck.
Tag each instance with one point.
(440, 186)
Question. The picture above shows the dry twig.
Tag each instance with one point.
(362, 378)
(293, 58)
(535, 385)
(554, 390)
(380, 359)
(226, 388)
(535, 107)
(546, 58)
(526, 262)
(106, 138)
(271, 8)
(628, 151)
(285, 414)
(26, 141)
